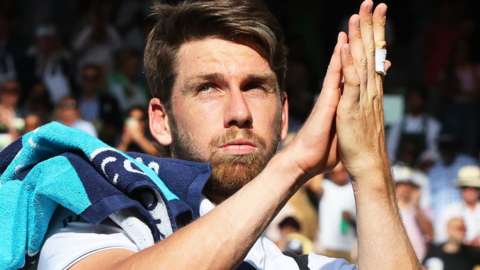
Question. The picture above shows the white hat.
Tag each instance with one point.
(404, 174)
(469, 176)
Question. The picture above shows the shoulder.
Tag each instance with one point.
(69, 245)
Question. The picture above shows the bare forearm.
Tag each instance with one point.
(221, 239)
(383, 242)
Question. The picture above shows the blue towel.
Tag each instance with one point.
(59, 167)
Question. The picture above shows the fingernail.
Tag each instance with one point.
(368, 4)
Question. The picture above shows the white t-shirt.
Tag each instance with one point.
(77, 240)
(335, 200)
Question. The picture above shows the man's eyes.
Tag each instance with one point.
(206, 87)
(212, 88)
(257, 87)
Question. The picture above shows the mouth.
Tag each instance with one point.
(239, 147)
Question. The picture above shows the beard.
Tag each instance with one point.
(229, 172)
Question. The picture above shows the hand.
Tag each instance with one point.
(126, 138)
(314, 149)
(359, 122)
(135, 130)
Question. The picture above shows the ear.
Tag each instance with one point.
(284, 127)
(158, 122)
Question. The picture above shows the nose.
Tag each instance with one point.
(237, 112)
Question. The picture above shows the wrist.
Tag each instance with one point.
(374, 183)
(369, 168)
(282, 164)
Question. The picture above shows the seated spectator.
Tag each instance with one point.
(125, 84)
(337, 212)
(416, 222)
(32, 121)
(292, 240)
(416, 134)
(38, 100)
(134, 137)
(453, 254)
(442, 176)
(469, 208)
(10, 122)
(97, 106)
(68, 114)
(50, 62)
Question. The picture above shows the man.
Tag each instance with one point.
(97, 106)
(443, 188)
(336, 212)
(415, 135)
(10, 122)
(453, 254)
(417, 224)
(216, 69)
(468, 181)
(68, 113)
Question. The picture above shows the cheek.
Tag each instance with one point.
(470, 194)
(200, 124)
(266, 117)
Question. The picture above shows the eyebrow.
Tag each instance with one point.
(262, 78)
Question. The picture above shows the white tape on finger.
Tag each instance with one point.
(380, 58)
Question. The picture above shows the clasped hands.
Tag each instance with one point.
(346, 123)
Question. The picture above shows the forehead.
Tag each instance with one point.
(233, 60)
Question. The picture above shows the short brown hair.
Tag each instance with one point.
(247, 21)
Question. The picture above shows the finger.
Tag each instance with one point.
(326, 105)
(388, 65)
(366, 29)
(351, 86)
(333, 75)
(379, 20)
(357, 49)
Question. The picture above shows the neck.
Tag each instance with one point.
(451, 246)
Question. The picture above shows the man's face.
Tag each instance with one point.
(470, 195)
(226, 109)
(456, 230)
(90, 79)
(404, 191)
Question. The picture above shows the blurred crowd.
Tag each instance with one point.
(89, 79)
(80, 63)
